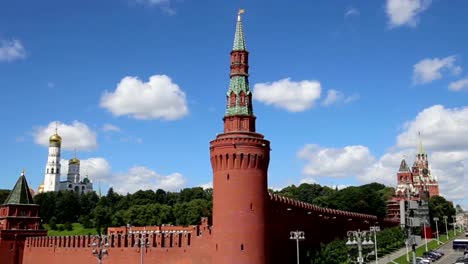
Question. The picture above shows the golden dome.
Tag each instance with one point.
(74, 161)
(55, 138)
(41, 188)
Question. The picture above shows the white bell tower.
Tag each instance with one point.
(52, 173)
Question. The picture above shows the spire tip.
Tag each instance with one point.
(239, 13)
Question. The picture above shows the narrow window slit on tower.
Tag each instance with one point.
(227, 177)
(251, 206)
(242, 246)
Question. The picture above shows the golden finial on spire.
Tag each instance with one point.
(23, 172)
(241, 11)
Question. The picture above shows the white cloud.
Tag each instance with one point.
(443, 134)
(428, 70)
(290, 95)
(159, 98)
(384, 170)
(442, 129)
(336, 97)
(335, 162)
(97, 169)
(459, 85)
(110, 128)
(405, 12)
(207, 185)
(164, 5)
(142, 178)
(11, 50)
(351, 12)
(75, 135)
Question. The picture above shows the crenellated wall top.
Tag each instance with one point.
(288, 204)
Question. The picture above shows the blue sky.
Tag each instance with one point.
(341, 88)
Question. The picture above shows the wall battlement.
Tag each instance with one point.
(282, 203)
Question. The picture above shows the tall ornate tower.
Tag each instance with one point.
(240, 158)
(52, 173)
(422, 176)
(73, 170)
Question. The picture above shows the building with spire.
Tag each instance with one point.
(19, 218)
(416, 184)
(239, 159)
(73, 182)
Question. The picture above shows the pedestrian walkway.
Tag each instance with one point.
(390, 257)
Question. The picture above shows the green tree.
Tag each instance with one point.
(67, 207)
(47, 202)
(334, 252)
(53, 223)
(3, 195)
(440, 207)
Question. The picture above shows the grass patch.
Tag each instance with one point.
(78, 230)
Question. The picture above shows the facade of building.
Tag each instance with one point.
(250, 225)
(52, 182)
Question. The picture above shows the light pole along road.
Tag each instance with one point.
(298, 236)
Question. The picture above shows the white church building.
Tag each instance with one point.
(52, 182)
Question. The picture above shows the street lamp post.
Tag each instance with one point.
(360, 239)
(142, 243)
(100, 245)
(375, 229)
(454, 218)
(446, 228)
(436, 219)
(425, 236)
(298, 236)
(407, 250)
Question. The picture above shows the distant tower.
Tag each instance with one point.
(52, 173)
(422, 176)
(73, 175)
(240, 158)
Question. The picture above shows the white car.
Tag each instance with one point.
(422, 260)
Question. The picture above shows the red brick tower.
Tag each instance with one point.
(240, 158)
(19, 218)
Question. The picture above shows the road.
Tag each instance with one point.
(450, 254)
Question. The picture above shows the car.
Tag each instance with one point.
(422, 260)
(436, 253)
(431, 255)
(439, 252)
(461, 260)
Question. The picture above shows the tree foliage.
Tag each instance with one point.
(3, 195)
(367, 199)
(439, 207)
(144, 207)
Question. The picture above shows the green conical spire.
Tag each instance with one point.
(239, 95)
(239, 40)
(20, 193)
